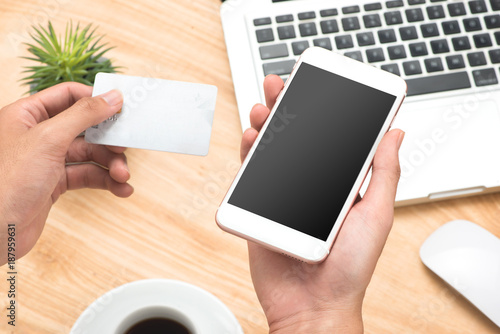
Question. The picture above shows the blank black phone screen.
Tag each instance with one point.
(310, 155)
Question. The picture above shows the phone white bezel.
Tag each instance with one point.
(291, 242)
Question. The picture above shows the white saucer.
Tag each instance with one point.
(206, 310)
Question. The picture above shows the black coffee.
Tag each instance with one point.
(158, 326)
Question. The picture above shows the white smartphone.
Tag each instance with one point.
(306, 167)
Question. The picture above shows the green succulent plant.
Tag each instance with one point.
(79, 57)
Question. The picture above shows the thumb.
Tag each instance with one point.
(381, 191)
(86, 112)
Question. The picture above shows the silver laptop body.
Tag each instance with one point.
(451, 116)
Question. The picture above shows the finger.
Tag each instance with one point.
(95, 177)
(116, 149)
(43, 105)
(258, 116)
(381, 191)
(273, 85)
(247, 141)
(63, 128)
(60, 97)
(81, 151)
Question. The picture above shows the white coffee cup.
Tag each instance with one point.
(118, 310)
(149, 312)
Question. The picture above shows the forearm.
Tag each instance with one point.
(3, 240)
(3, 225)
(4, 236)
(7, 225)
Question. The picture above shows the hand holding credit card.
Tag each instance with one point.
(157, 114)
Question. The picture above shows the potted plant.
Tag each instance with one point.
(79, 57)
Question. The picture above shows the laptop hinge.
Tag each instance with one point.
(457, 193)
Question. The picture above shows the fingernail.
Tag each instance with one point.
(400, 139)
(113, 97)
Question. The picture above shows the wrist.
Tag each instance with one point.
(345, 321)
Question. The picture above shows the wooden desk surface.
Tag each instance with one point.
(94, 242)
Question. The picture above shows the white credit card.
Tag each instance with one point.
(157, 114)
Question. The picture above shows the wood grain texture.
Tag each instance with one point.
(94, 242)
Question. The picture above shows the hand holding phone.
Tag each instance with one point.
(304, 172)
(303, 298)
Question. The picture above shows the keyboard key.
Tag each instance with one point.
(495, 4)
(365, 38)
(262, 21)
(418, 49)
(485, 77)
(497, 37)
(264, 35)
(279, 67)
(273, 51)
(343, 42)
(328, 12)
(323, 43)
(396, 52)
(415, 2)
(350, 9)
(435, 12)
(373, 6)
(439, 46)
(356, 55)
(299, 47)
(450, 27)
(438, 83)
(455, 61)
(456, 9)
(482, 40)
(307, 15)
(350, 23)
(394, 4)
(414, 15)
(492, 21)
(329, 26)
(461, 43)
(391, 68)
(392, 18)
(472, 24)
(374, 55)
(372, 20)
(495, 56)
(284, 18)
(437, 0)
(286, 32)
(476, 59)
(433, 65)
(387, 36)
(408, 33)
(308, 29)
(412, 67)
(477, 6)
(429, 30)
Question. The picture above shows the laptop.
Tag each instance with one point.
(447, 51)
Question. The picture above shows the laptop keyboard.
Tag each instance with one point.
(435, 45)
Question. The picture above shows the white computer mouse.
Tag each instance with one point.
(467, 257)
